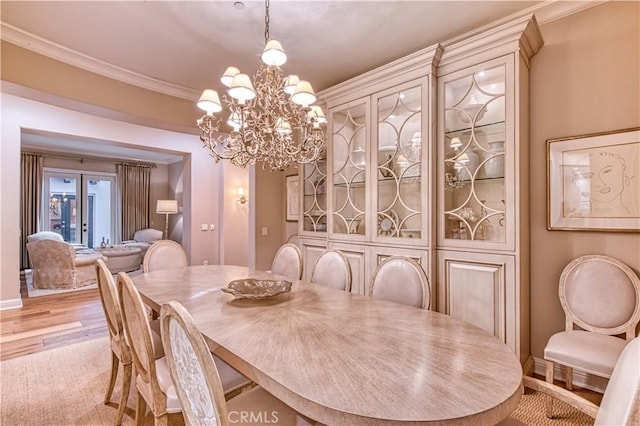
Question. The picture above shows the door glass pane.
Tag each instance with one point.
(474, 149)
(97, 224)
(63, 208)
(399, 164)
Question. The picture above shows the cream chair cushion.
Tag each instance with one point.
(332, 269)
(288, 262)
(164, 254)
(402, 280)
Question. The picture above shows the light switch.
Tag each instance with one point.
(212, 227)
(204, 227)
(265, 231)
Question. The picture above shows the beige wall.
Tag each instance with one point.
(235, 218)
(584, 80)
(269, 199)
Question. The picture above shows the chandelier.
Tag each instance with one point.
(272, 120)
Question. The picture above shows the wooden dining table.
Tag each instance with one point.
(345, 359)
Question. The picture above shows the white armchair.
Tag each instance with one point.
(143, 239)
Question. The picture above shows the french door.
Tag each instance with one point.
(80, 206)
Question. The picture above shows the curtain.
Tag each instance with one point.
(134, 183)
(30, 200)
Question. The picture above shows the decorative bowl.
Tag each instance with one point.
(251, 288)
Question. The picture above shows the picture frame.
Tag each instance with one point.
(593, 182)
(293, 198)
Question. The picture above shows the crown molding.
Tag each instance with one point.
(548, 11)
(60, 53)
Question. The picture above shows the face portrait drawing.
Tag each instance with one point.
(603, 186)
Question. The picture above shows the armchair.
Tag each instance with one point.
(143, 239)
(56, 265)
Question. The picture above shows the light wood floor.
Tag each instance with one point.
(46, 322)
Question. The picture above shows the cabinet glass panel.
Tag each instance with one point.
(315, 196)
(474, 156)
(348, 168)
(399, 164)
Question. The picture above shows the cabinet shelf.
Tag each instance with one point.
(386, 180)
(488, 128)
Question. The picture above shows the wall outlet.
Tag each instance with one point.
(204, 227)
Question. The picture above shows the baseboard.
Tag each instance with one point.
(580, 378)
(10, 304)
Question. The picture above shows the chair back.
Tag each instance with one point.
(332, 269)
(52, 263)
(111, 306)
(192, 368)
(288, 262)
(148, 235)
(164, 254)
(600, 294)
(136, 325)
(45, 235)
(621, 400)
(402, 280)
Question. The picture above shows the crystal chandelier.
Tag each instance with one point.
(273, 123)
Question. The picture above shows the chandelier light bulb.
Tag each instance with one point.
(241, 88)
(235, 121)
(283, 127)
(210, 102)
(273, 54)
(303, 95)
(290, 84)
(227, 77)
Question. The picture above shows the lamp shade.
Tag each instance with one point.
(167, 206)
(227, 77)
(210, 102)
(303, 95)
(273, 53)
(290, 84)
(316, 114)
(241, 88)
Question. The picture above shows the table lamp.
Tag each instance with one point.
(167, 207)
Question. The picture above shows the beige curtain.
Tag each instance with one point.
(134, 183)
(30, 200)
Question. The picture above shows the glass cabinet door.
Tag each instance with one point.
(399, 148)
(348, 168)
(314, 176)
(474, 156)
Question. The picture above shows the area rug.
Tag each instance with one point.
(66, 385)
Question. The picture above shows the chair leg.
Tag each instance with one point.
(568, 378)
(141, 408)
(162, 420)
(549, 379)
(115, 362)
(126, 387)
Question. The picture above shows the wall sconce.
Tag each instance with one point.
(167, 207)
(241, 197)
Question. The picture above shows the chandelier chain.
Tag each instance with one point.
(266, 21)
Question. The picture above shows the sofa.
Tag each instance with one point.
(143, 239)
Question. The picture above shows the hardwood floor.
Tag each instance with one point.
(46, 322)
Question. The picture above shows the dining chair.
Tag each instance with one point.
(197, 381)
(164, 254)
(620, 403)
(401, 279)
(152, 379)
(120, 350)
(332, 269)
(601, 296)
(288, 262)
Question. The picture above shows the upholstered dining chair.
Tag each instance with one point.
(601, 296)
(152, 379)
(197, 381)
(401, 279)
(288, 262)
(332, 269)
(164, 254)
(120, 351)
(620, 403)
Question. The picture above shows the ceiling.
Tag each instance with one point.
(186, 45)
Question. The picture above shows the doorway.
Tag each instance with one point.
(80, 206)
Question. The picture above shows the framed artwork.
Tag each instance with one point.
(293, 198)
(594, 182)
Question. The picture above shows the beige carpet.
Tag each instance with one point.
(66, 385)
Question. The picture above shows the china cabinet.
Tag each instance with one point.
(482, 178)
(427, 157)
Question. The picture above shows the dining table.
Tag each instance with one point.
(346, 359)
